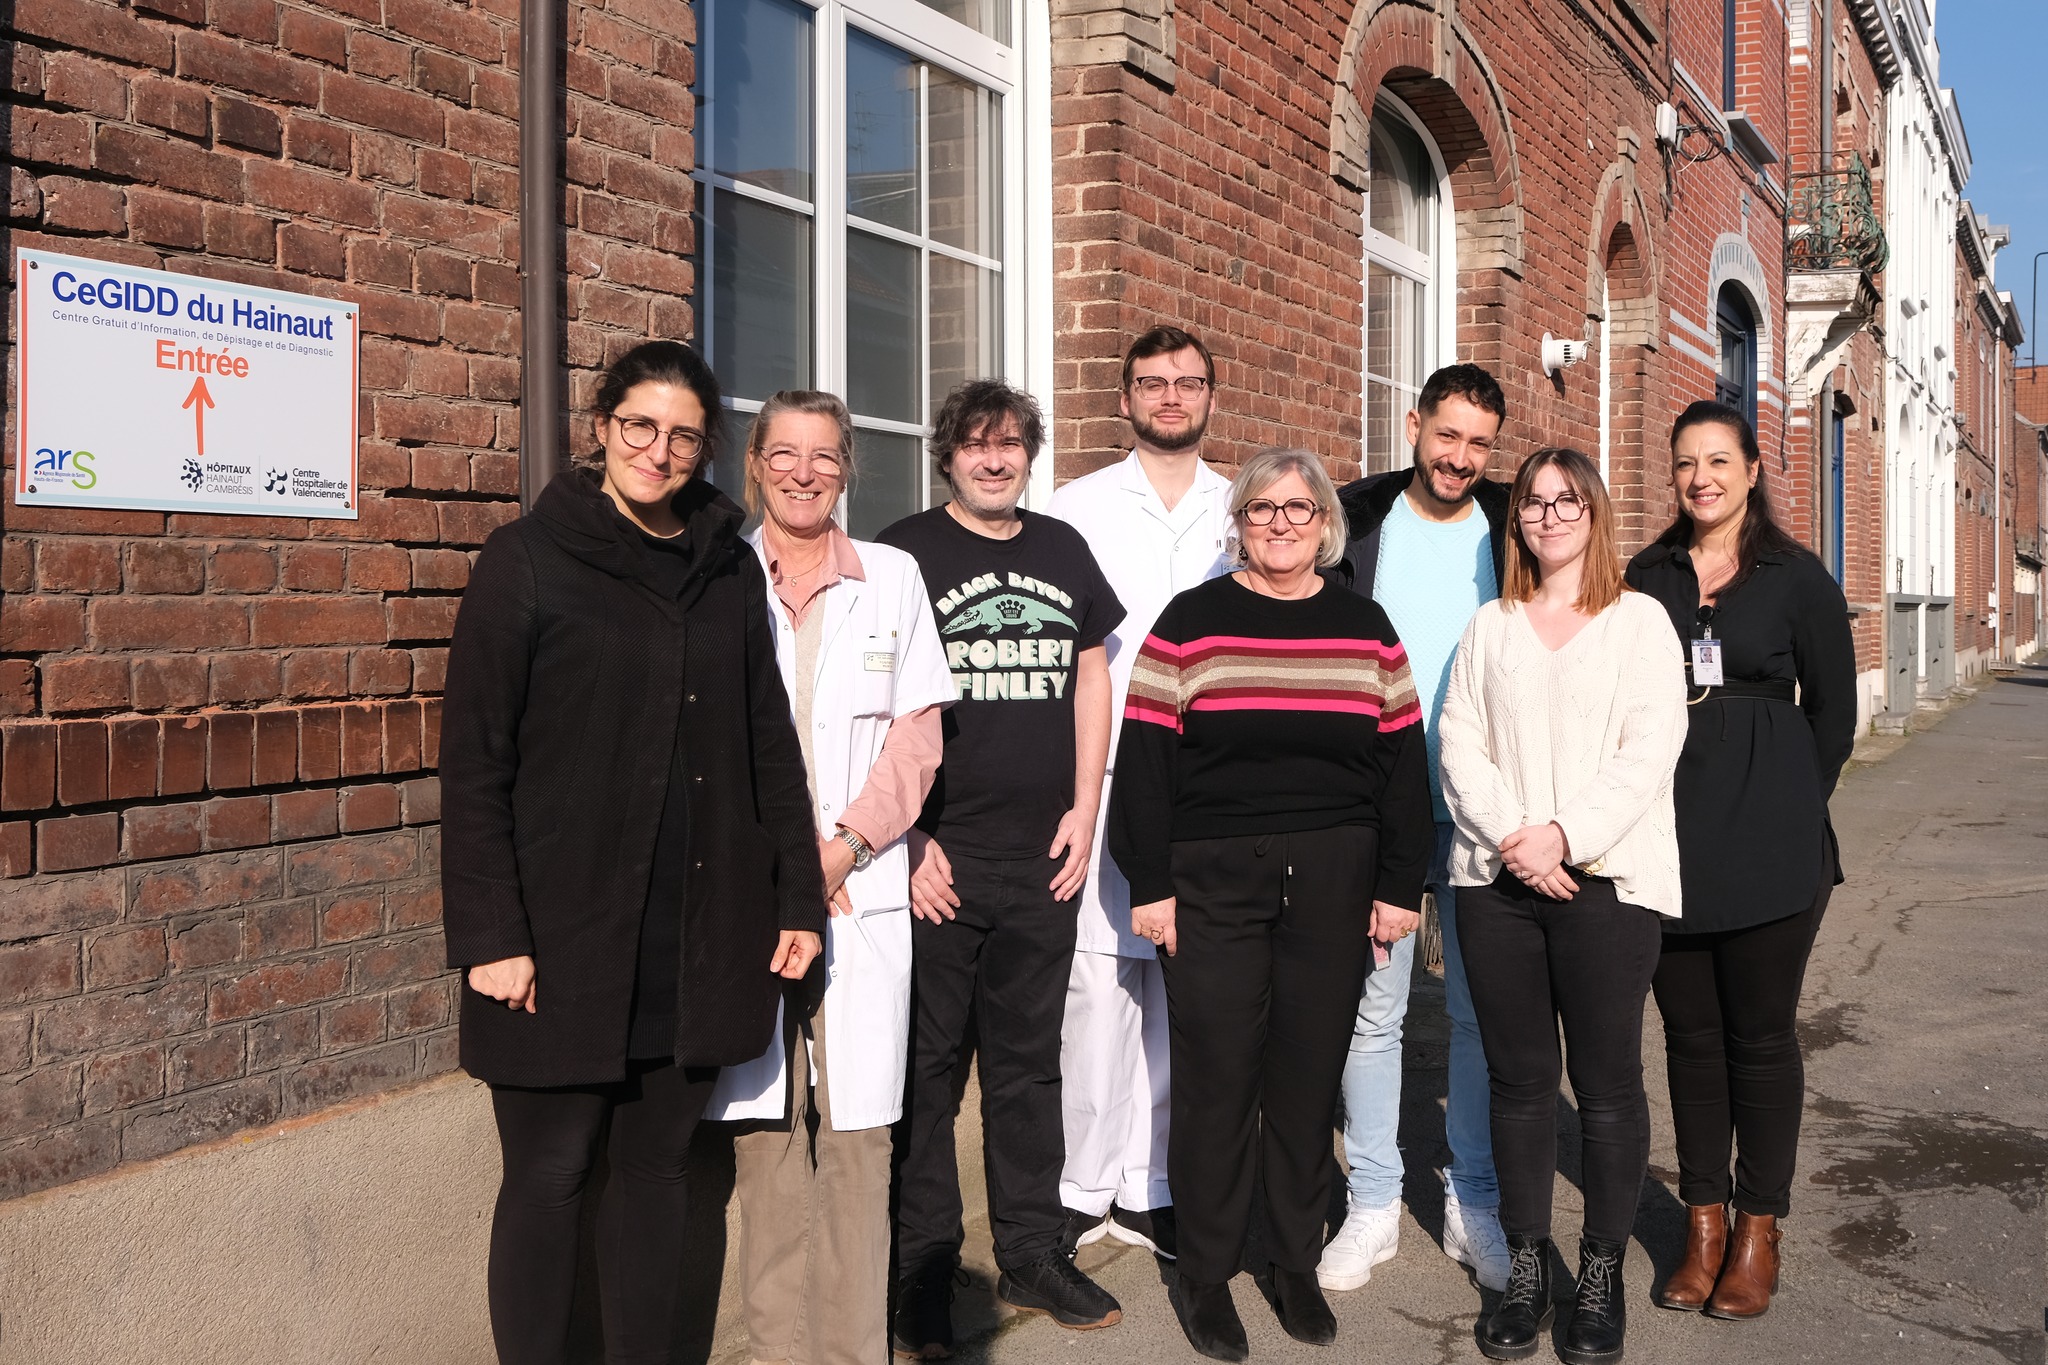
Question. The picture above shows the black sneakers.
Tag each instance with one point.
(1514, 1330)
(1152, 1229)
(924, 1314)
(1081, 1229)
(1054, 1286)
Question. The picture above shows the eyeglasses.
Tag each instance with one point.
(1154, 386)
(1261, 511)
(684, 443)
(1568, 506)
(783, 460)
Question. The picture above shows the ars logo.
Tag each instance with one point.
(64, 466)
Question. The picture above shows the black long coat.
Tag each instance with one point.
(568, 676)
(1753, 782)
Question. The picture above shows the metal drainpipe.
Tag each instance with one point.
(1825, 406)
(540, 165)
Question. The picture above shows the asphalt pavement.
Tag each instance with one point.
(1917, 1233)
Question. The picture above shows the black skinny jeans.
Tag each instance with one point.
(1275, 938)
(1532, 962)
(1730, 1002)
(549, 1139)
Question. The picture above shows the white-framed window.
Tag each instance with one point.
(1409, 279)
(860, 217)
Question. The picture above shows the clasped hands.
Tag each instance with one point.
(1538, 856)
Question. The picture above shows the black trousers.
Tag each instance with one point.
(1005, 958)
(1730, 1001)
(1275, 941)
(1532, 962)
(549, 1139)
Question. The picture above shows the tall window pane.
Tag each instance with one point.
(966, 165)
(966, 323)
(760, 105)
(760, 297)
(881, 132)
(1401, 271)
(1403, 191)
(881, 328)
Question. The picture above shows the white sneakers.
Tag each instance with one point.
(1368, 1237)
(1473, 1237)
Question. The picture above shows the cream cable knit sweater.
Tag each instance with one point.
(1588, 736)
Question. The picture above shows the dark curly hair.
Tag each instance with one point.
(978, 405)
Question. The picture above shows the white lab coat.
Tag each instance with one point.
(1148, 554)
(879, 658)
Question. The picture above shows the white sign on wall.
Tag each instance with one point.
(143, 389)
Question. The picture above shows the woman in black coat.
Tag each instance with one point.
(626, 821)
(1773, 673)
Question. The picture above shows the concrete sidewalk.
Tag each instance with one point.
(1917, 1232)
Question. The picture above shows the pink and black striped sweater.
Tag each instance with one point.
(1254, 715)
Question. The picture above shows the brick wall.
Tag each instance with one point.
(218, 734)
(1196, 193)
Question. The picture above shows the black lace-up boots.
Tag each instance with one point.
(1599, 1315)
(1514, 1329)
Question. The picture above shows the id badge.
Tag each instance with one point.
(1706, 663)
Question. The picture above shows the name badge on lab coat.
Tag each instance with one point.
(1706, 663)
(879, 660)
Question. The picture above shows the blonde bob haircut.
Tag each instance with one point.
(806, 402)
(1267, 468)
(1600, 582)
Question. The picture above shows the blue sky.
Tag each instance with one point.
(1991, 56)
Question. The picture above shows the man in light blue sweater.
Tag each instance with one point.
(1427, 545)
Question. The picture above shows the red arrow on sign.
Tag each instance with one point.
(199, 400)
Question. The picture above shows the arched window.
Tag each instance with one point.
(1406, 263)
(1735, 385)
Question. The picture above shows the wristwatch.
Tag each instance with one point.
(862, 854)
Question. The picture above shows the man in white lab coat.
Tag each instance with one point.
(1156, 522)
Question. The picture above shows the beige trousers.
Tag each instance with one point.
(814, 1227)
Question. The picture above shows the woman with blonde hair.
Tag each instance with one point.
(1269, 788)
(866, 676)
(1560, 733)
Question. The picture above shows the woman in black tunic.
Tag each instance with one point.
(625, 820)
(1773, 673)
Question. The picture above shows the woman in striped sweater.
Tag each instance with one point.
(1270, 786)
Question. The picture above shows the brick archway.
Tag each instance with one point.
(1432, 63)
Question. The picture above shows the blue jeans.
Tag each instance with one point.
(1372, 1073)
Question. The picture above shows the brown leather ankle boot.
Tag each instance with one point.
(1750, 1275)
(1706, 1243)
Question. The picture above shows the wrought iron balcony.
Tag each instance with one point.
(1832, 223)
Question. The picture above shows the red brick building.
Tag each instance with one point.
(218, 804)
(1987, 475)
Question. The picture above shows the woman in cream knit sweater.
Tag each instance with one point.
(1560, 732)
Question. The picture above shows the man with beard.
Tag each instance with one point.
(1156, 520)
(998, 855)
(1421, 551)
